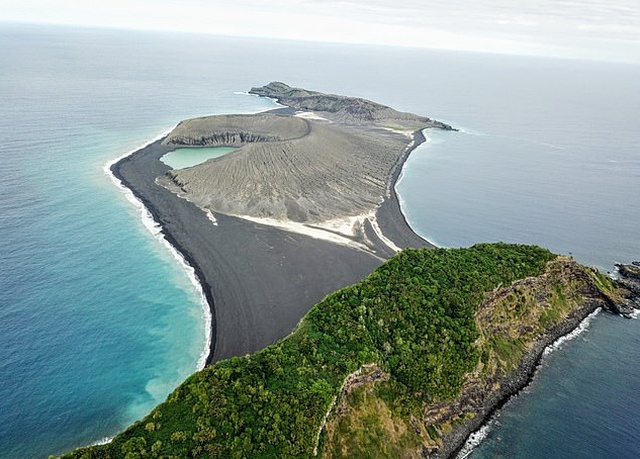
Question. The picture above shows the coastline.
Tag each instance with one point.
(475, 438)
(401, 203)
(388, 215)
(259, 279)
(391, 219)
(392, 222)
(155, 228)
(228, 257)
(461, 442)
(456, 442)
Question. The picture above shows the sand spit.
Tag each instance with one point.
(258, 280)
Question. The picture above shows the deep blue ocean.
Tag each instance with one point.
(99, 320)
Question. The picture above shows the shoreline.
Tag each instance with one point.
(476, 437)
(392, 200)
(516, 382)
(258, 280)
(401, 202)
(464, 438)
(155, 228)
(388, 211)
(179, 253)
(387, 214)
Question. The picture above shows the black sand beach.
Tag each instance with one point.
(259, 280)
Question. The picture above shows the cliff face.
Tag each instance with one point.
(236, 130)
(517, 323)
(630, 284)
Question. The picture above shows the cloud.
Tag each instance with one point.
(566, 28)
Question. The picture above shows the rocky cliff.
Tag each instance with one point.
(516, 322)
(629, 281)
(237, 130)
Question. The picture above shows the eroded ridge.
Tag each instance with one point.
(347, 110)
(236, 130)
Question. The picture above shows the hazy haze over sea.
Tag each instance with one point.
(99, 322)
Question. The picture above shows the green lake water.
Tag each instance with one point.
(188, 157)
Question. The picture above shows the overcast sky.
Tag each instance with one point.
(603, 30)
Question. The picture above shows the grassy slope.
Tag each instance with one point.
(415, 318)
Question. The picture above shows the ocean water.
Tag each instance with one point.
(98, 319)
(545, 156)
(583, 404)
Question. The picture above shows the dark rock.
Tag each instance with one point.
(631, 271)
(629, 283)
(351, 110)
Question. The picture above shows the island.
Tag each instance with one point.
(304, 206)
(338, 332)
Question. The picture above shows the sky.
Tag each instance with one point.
(584, 29)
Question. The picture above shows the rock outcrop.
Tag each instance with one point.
(629, 282)
(236, 130)
(533, 311)
(351, 110)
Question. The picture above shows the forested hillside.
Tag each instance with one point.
(411, 330)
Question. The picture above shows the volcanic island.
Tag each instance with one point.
(337, 332)
(303, 206)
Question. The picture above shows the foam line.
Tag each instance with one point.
(584, 325)
(474, 440)
(156, 230)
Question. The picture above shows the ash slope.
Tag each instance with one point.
(337, 161)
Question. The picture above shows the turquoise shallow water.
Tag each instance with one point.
(99, 321)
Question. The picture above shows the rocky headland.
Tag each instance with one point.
(629, 282)
(523, 320)
(344, 109)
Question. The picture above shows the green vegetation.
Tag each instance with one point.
(414, 317)
(369, 428)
